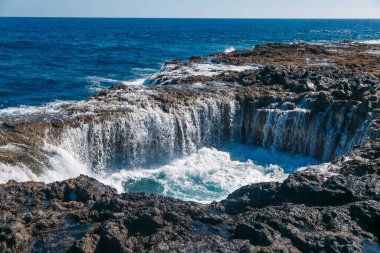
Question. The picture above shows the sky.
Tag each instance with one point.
(192, 8)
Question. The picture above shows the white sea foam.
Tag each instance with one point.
(97, 83)
(370, 42)
(203, 176)
(282, 111)
(375, 52)
(202, 69)
(17, 173)
(52, 107)
(229, 50)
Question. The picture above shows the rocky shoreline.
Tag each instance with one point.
(317, 100)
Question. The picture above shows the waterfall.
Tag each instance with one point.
(151, 135)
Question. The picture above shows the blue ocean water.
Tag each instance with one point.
(49, 59)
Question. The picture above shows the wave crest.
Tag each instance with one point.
(229, 50)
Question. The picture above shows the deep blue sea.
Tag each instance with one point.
(44, 60)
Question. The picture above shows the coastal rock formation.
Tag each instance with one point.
(316, 100)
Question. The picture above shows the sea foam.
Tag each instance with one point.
(62, 165)
(370, 42)
(204, 176)
(174, 71)
(52, 107)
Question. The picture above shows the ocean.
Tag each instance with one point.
(46, 61)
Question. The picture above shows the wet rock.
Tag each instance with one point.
(172, 217)
(319, 103)
(307, 85)
(113, 238)
(259, 234)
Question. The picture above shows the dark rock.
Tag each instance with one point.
(81, 190)
(145, 225)
(257, 195)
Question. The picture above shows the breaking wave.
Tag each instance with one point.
(229, 50)
(182, 152)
